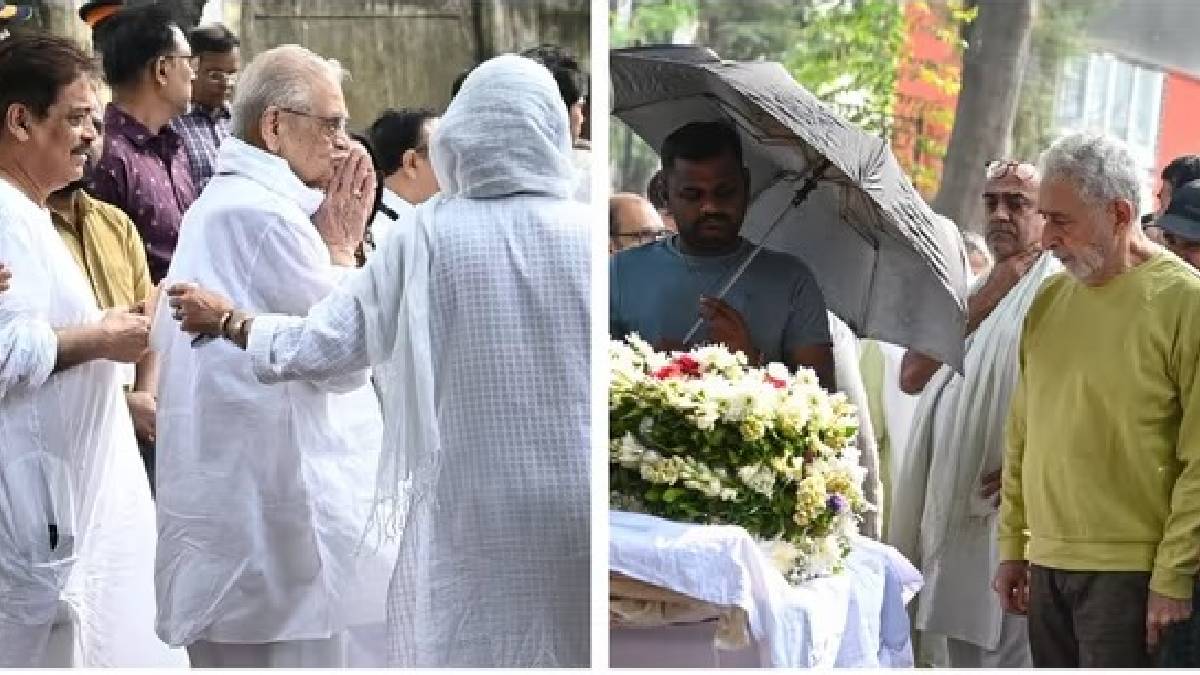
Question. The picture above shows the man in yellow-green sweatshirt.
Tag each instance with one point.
(1099, 532)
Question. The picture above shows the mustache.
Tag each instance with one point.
(715, 220)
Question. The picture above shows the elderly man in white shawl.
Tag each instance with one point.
(76, 520)
(945, 504)
(265, 492)
(477, 320)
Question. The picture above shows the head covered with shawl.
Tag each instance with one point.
(505, 133)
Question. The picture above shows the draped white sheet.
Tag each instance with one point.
(855, 619)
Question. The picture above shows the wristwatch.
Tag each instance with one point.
(234, 325)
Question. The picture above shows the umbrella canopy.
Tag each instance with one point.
(888, 266)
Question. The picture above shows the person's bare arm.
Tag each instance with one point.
(120, 336)
(916, 369)
(820, 359)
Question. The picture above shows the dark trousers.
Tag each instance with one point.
(1088, 619)
(1181, 641)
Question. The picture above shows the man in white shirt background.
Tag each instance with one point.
(400, 142)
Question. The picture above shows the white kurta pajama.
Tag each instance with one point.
(479, 319)
(939, 520)
(69, 464)
(264, 492)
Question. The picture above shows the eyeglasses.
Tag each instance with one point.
(193, 62)
(1015, 202)
(220, 76)
(999, 168)
(332, 126)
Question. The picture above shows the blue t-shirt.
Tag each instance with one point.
(655, 290)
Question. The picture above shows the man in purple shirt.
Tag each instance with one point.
(206, 123)
(144, 169)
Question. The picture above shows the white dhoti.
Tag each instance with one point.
(939, 519)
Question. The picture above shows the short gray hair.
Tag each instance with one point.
(281, 77)
(1100, 166)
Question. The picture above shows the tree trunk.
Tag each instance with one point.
(994, 60)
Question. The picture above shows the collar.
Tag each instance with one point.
(118, 122)
(395, 202)
(72, 212)
(271, 171)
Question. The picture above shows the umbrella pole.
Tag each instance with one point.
(802, 194)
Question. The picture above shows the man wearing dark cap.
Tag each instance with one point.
(96, 14)
(1180, 223)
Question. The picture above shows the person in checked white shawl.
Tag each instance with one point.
(477, 321)
(946, 494)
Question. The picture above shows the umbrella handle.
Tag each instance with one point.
(802, 194)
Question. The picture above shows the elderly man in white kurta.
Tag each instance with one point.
(945, 502)
(478, 316)
(76, 521)
(265, 491)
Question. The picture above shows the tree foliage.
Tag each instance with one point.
(849, 53)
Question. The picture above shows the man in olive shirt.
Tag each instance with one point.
(105, 243)
(1101, 487)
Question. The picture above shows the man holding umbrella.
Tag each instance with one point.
(773, 313)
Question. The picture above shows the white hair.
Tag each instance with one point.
(1101, 167)
(283, 76)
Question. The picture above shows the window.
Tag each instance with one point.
(1102, 92)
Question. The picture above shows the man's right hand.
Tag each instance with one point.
(5, 275)
(1006, 273)
(126, 335)
(1012, 585)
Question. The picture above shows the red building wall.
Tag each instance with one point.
(1179, 125)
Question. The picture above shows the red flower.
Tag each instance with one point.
(776, 382)
(667, 372)
(687, 365)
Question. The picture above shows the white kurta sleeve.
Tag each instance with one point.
(292, 273)
(331, 340)
(28, 349)
(28, 346)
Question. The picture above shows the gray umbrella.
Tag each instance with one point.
(820, 188)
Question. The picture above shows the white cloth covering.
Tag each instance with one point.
(382, 225)
(479, 320)
(264, 491)
(855, 619)
(68, 459)
(850, 382)
(939, 519)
